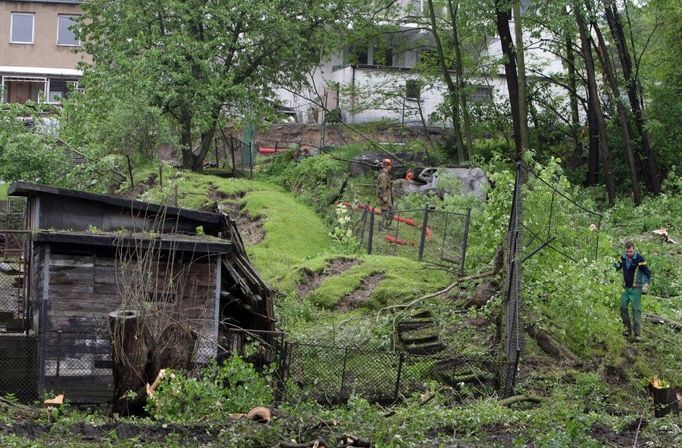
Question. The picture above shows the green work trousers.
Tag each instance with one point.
(632, 296)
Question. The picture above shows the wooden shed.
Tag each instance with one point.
(90, 254)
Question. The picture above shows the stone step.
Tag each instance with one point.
(425, 349)
(412, 324)
(408, 339)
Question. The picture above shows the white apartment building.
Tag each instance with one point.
(378, 81)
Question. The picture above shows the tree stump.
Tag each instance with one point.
(129, 355)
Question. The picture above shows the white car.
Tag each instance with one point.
(473, 181)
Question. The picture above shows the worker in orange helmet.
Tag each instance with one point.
(385, 193)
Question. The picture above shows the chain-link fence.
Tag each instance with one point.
(551, 219)
(433, 236)
(13, 240)
(79, 365)
(19, 366)
(543, 217)
(332, 374)
(231, 154)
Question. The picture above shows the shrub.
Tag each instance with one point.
(221, 390)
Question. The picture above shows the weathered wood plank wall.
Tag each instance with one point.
(83, 289)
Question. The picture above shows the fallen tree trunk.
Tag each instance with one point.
(316, 443)
(519, 399)
(552, 347)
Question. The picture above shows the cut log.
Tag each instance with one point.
(129, 355)
(348, 440)
(552, 346)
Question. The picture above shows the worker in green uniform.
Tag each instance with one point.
(636, 280)
(385, 193)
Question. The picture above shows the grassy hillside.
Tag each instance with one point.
(331, 293)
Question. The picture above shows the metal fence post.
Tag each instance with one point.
(343, 372)
(422, 238)
(401, 359)
(59, 359)
(465, 241)
(370, 239)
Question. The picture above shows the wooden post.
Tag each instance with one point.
(130, 172)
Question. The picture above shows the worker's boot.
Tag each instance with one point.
(627, 332)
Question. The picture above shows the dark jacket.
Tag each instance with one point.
(635, 272)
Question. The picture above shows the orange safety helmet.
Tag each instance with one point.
(387, 162)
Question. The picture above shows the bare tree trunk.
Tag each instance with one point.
(206, 141)
(502, 10)
(459, 73)
(652, 171)
(186, 139)
(614, 94)
(573, 97)
(593, 168)
(452, 89)
(595, 102)
(521, 74)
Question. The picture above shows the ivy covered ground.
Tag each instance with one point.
(298, 241)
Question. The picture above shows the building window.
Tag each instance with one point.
(60, 88)
(21, 28)
(19, 89)
(481, 94)
(412, 90)
(66, 31)
(357, 54)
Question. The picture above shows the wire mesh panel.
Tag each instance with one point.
(19, 366)
(446, 238)
(79, 365)
(12, 279)
(429, 235)
(334, 374)
(13, 213)
(552, 219)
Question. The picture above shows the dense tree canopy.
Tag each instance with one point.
(199, 59)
